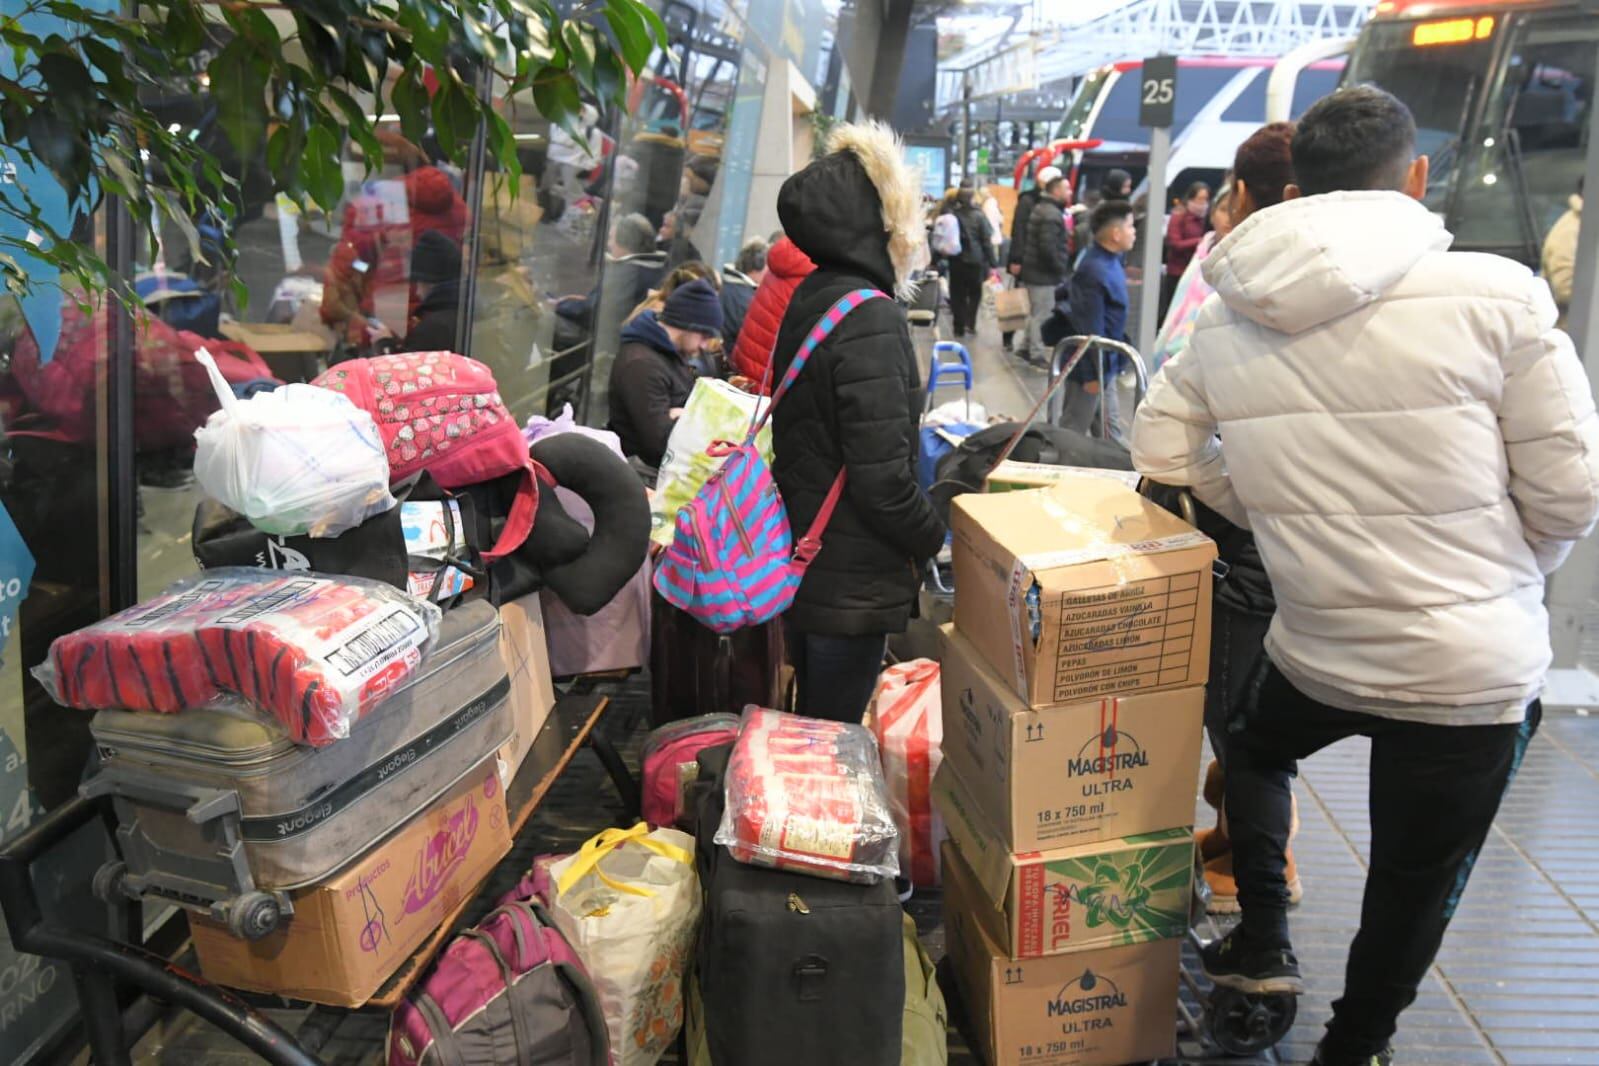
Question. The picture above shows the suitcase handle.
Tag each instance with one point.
(809, 975)
(197, 802)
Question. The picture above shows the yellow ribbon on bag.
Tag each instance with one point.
(608, 840)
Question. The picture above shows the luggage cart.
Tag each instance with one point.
(1068, 353)
(1072, 350)
(1224, 1021)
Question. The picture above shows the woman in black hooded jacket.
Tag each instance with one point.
(856, 213)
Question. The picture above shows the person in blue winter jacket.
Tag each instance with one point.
(1099, 308)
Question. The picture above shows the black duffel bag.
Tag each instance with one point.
(968, 466)
(792, 970)
(375, 549)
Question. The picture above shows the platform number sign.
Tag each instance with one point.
(1158, 92)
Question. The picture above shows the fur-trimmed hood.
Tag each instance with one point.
(858, 208)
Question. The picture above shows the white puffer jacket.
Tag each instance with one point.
(1412, 441)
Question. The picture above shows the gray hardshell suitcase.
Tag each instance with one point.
(219, 811)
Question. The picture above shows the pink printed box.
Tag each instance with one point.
(349, 933)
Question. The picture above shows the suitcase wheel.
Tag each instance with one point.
(108, 882)
(253, 915)
(1244, 1023)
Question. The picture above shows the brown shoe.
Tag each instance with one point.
(1215, 790)
(1212, 843)
(1224, 888)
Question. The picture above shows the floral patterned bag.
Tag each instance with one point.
(629, 902)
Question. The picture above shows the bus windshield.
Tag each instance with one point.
(1528, 155)
(1438, 83)
(1074, 123)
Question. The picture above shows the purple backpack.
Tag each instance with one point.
(733, 562)
(509, 991)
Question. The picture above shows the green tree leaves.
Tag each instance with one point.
(292, 83)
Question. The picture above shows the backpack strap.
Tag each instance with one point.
(819, 333)
(522, 1036)
(445, 1049)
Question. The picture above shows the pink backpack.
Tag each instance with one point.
(510, 990)
(671, 762)
(442, 413)
(733, 562)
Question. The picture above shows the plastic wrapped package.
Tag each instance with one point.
(908, 721)
(312, 651)
(294, 461)
(808, 795)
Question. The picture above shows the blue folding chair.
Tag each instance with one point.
(956, 371)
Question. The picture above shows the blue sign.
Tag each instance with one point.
(933, 162)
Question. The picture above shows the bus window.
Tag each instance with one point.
(1250, 105)
(1314, 83)
(1437, 83)
(1529, 153)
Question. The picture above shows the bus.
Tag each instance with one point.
(1220, 102)
(1503, 94)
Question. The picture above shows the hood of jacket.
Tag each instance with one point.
(431, 190)
(646, 330)
(857, 209)
(786, 261)
(1305, 262)
(1575, 203)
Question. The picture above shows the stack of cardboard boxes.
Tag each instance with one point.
(1073, 709)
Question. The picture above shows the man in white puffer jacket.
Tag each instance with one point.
(1415, 446)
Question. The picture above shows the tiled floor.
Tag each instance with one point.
(1517, 982)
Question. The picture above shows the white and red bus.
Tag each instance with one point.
(1503, 94)
(1220, 102)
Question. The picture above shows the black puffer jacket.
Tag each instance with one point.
(1018, 227)
(1045, 260)
(855, 405)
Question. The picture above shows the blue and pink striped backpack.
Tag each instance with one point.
(733, 562)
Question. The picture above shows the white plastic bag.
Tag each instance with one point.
(298, 460)
(629, 903)
(907, 719)
(715, 411)
(808, 795)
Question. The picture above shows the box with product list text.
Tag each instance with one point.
(1082, 589)
(349, 933)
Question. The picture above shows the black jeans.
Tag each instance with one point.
(834, 676)
(965, 295)
(1434, 792)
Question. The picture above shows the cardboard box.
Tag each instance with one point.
(1081, 590)
(1112, 893)
(1094, 1008)
(348, 934)
(1011, 476)
(526, 652)
(1113, 767)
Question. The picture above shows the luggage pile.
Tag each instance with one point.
(308, 744)
(804, 955)
(1073, 700)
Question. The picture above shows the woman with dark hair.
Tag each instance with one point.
(1184, 230)
(1242, 605)
(1262, 169)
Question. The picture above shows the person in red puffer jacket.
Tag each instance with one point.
(786, 267)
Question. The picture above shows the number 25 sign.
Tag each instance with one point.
(1158, 91)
